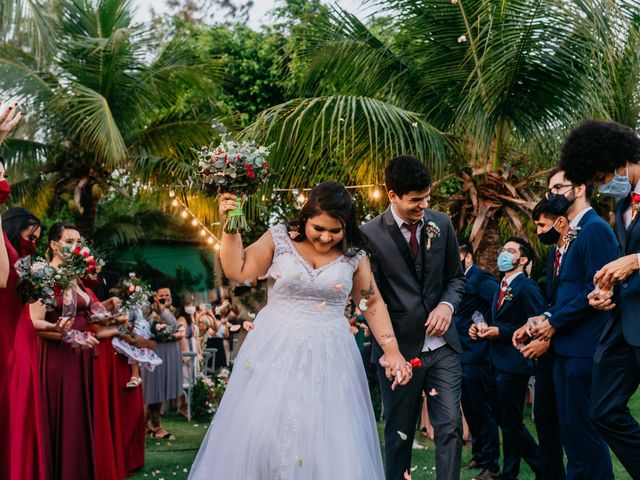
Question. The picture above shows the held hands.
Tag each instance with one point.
(227, 203)
(396, 368)
(616, 271)
(9, 118)
(600, 303)
(543, 330)
(439, 320)
(535, 349)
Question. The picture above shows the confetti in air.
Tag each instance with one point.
(402, 435)
(299, 461)
(338, 287)
(433, 392)
(321, 305)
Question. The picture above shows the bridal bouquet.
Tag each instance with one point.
(39, 280)
(234, 167)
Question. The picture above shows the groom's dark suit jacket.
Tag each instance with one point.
(413, 285)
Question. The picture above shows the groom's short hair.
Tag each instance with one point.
(406, 174)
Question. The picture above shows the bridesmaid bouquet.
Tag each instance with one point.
(134, 292)
(79, 262)
(234, 167)
(39, 280)
(161, 330)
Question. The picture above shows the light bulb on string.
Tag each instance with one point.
(203, 232)
(376, 194)
(210, 240)
(301, 198)
(216, 247)
(184, 214)
(172, 193)
(194, 222)
(174, 203)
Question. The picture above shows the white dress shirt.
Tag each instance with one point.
(430, 342)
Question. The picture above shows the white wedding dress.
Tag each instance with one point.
(297, 406)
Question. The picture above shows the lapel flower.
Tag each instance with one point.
(508, 295)
(432, 231)
(635, 209)
(571, 236)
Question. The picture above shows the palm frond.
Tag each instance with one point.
(343, 137)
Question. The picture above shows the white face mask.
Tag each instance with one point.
(190, 310)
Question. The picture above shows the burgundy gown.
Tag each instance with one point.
(67, 400)
(132, 420)
(22, 453)
(106, 408)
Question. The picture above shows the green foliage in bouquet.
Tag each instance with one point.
(39, 280)
(230, 166)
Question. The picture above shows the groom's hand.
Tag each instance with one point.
(439, 320)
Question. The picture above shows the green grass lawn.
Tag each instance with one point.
(172, 460)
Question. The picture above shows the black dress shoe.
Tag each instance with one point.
(472, 465)
(487, 475)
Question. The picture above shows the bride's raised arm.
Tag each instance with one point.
(240, 264)
(367, 296)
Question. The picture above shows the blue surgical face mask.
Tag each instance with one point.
(505, 262)
(618, 187)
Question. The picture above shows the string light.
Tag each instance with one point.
(300, 198)
(376, 194)
(172, 193)
(216, 247)
(186, 212)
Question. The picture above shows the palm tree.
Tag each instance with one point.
(502, 79)
(106, 106)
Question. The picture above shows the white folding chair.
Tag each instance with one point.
(189, 381)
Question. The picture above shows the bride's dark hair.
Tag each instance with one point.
(334, 200)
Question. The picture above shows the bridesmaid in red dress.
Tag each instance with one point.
(25, 450)
(22, 455)
(67, 379)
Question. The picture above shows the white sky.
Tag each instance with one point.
(259, 13)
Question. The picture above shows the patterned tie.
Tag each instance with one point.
(413, 240)
(635, 199)
(503, 292)
(556, 263)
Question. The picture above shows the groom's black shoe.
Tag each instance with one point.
(487, 475)
(473, 465)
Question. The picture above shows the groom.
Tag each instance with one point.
(418, 271)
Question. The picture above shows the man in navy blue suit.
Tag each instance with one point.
(608, 153)
(552, 226)
(576, 327)
(478, 385)
(518, 299)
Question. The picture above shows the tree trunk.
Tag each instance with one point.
(487, 251)
(86, 221)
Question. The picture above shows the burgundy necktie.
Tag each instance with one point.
(556, 263)
(503, 292)
(413, 240)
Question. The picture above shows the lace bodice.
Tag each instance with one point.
(297, 287)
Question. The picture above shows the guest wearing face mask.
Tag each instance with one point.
(609, 154)
(189, 343)
(519, 298)
(21, 435)
(552, 228)
(575, 327)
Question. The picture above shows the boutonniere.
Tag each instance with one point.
(571, 236)
(432, 231)
(635, 209)
(508, 295)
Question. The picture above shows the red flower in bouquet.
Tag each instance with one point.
(237, 167)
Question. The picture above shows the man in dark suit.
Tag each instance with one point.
(518, 299)
(478, 383)
(608, 153)
(576, 327)
(552, 227)
(417, 268)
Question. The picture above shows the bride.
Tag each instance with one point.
(297, 405)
